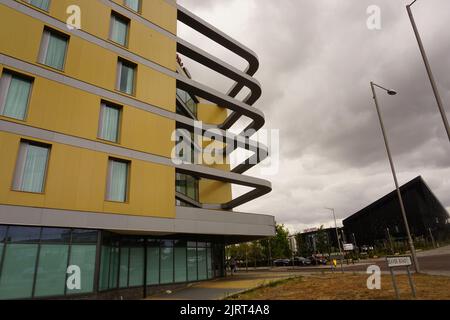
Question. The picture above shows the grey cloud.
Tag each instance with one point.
(317, 58)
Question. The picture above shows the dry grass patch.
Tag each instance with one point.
(350, 287)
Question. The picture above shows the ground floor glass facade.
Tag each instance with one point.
(34, 261)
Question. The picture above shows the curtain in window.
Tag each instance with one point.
(119, 30)
(133, 4)
(109, 127)
(118, 181)
(43, 4)
(127, 79)
(34, 169)
(17, 98)
(56, 52)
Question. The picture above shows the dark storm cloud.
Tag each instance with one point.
(317, 59)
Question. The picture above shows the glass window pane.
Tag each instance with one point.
(192, 264)
(202, 268)
(210, 267)
(56, 51)
(114, 268)
(42, 4)
(51, 272)
(55, 235)
(127, 79)
(33, 175)
(2, 233)
(18, 282)
(133, 4)
(136, 267)
(153, 265)
(124, 256)
(17, 98)
(180, 264)
(24, 234)
(84, 236)
(83, 256)
(119, 30)
(1, 253)
(166, 265)
(109, 124)
(118, 181)
(105, 262)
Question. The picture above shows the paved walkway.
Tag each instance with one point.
(435, 261)
(221, 288)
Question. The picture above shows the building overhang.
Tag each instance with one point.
(232, 226)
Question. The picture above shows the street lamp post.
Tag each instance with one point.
(428, 67)
(337, 236)
(402, 207)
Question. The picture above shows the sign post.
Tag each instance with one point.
(401, 261)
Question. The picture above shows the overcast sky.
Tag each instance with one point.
(317, 58)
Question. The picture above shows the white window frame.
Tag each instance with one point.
(46, 10)
(103, 105)
(115, 15)
(44, 47)
(108, 180)
(20, 165)
(5, 84)
(120, 64)
(139, 10)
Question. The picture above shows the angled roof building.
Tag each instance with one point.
(382, 219)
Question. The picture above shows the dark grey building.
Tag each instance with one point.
(383, 219)
(320, 240)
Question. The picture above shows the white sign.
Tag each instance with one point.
(403, 261)
(348, 247)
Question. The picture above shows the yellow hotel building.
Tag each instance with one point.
(92, 204)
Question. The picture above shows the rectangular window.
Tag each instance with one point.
(53, 49)
(126, 76)
(117, 184)
(15, 91)
(119, 29)
(124, 263)
(84, 257)
(133, 4)
(109, 123)
(152, 265)
(41, 4)
(17, 282)
(192, 264)
(166, 265)
(202, 268)
(180, 264)
(136, 267)
(51, 272)
(31, 167)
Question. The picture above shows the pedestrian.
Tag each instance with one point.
(233, 265)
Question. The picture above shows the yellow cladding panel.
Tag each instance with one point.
(76, 180)
(144, 41)
(211, 113)
(85, 61)
(60, 108)
(213, 191)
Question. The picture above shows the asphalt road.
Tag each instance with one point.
(436, 261)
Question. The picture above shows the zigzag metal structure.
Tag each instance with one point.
(239, 108)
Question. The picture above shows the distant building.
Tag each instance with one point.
(381, 219)
(310, 240)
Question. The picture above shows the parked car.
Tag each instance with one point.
(281, 262)
(301, 261)
(317, 261)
